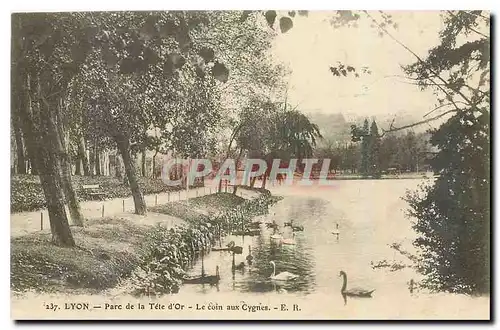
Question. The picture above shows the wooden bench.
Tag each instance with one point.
(93, 190)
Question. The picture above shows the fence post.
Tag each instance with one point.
(123, 205)
(156, 200)
(168, 196)
(103, 210)
(41, 220)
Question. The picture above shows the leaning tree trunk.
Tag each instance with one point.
(124, 148)
(50, 177)
(65, 162)
(143, 162)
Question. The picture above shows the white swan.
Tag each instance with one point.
(285, 276)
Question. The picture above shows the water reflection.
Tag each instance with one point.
(345, 228)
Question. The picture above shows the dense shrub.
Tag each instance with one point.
(26, 192)
(168, 253)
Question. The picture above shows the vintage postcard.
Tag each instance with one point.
(252, 165)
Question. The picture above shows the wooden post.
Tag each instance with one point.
(41, 220)
(168, 196)
(103, 210)
(123, 205)
(156, 200)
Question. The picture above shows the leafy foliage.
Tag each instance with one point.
(452, 216)
(169, 252)
(27, 195)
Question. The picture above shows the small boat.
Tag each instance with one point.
(204, 279)
(272, 225)
(297, 228)
(221, 248)
(252, 232)
(237, 250)
(254, 225)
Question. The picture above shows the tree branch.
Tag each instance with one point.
(473, 30)
(436, 75)
(395, 129)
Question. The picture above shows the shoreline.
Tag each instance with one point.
(110, 250)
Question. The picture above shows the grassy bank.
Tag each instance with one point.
(26, 191)
(107, 249)
(117, 250)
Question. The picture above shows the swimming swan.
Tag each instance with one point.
(285, 276)
(354, 292)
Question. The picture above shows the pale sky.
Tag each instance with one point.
(313, 45)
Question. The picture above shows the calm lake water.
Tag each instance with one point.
(370, 215)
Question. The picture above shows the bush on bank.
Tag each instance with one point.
(168, 253)
(26, 192)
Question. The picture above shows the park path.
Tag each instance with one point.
(23, 223)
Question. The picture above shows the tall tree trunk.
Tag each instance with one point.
(61, 144)
(118, 166)
(91, 160)
(82, 155)
(21, 159)
(78, 166)
(50, 177)
(97, 158)
(143, 161)
(124, 147)
(231, 139)
(154, 164)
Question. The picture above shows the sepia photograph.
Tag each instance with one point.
(250, 165)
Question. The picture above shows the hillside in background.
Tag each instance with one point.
(336, 127)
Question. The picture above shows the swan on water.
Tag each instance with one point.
(284, 276)
(354, 292)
